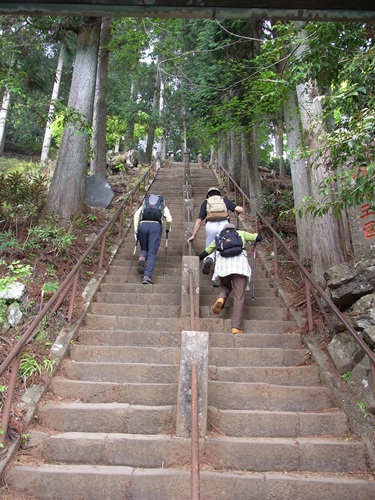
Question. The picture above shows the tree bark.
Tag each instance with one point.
(235, 155)
(250, 182)
(55, 93)
(98, 161)
(300, 175)
(3, 118)
(66, 196)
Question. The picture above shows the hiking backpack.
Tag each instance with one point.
(229, 243)
(153, 206)
(216, 208)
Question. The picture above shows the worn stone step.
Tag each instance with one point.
(263, 356)
(173, 339)
(263, 396)
(116, 482)
(131, 338)
(125, 354)
(250, 311)
(275, 375)
(142, 310)
(157, 288)
(107, 417)
(152, 394)
(262, 289)
(259, 423)
(208, 299)
(121, 372)
(218, 325)
(137, 298)
(156, 324)
(233, 453)
(165, 279)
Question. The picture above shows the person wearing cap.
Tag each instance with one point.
(212, 228)
(232, 274)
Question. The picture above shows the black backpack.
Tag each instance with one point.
(229, 243)
(153, 206)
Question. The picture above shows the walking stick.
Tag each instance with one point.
(131, 262)
(254, 265)
(166, 250)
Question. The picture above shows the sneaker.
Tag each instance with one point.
(141, 265)
(147, 280)
(219, 304)
(207, 266)
(236, 330)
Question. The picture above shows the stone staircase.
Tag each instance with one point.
(106, 427)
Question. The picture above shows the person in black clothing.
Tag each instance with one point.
(213, 227)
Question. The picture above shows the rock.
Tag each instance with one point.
(369, 337)
(344, 352)
(360, 382)
(350, 281)
(363, 312)
(13, 292)
(14, 315)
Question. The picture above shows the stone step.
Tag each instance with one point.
(121, 373)
(208, 300)
(263, 396)
(142, 310)
(233, 453)
(116, 482)
(275, 375)
(259, 423)
(173, 339)
(157, 288)
(250, 311)
(172, 275)
(107, 392)
(263, 356)
(157, 324)
(125, 354)
(137, 298)
(96, 321)
(107, 417)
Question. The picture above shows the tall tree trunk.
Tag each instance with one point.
(327, 246)
(129, 136)
(3, 118)
(222, 152)
(151, 127)
(98, 161)
(51, 112)
(235, 156)
(280, 145)
(300, 175)
(66, 196)
(161, 143)
(250, 169)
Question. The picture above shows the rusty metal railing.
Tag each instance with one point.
(195, 474)
(68, 285)
(311, 285)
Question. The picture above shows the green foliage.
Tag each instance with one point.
(50, 286)
(23, 195)
(30, 365)
(9, 240)
(16, 272)
(59, 238)
(346, 376)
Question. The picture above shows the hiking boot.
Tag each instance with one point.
(219, 304)
(236, 330)
(207, 266)
(141, 265)
(147, 280)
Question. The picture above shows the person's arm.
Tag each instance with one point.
(136, 219)
(197, 225)
(168, 218)
(233, 207)
(255, 237)
(208, 251)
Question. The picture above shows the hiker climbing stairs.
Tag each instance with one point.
(106, 426)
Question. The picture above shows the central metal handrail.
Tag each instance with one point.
(311, 283)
